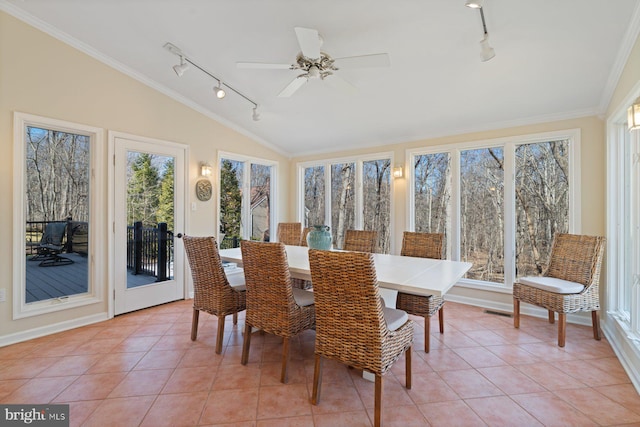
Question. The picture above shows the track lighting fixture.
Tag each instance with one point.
(255, 115)
(486, 51)
(181, 68)
(220, 93)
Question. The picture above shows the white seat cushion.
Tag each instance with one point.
(552, 284)
(394, 318)
(303, 298)
(236, 281)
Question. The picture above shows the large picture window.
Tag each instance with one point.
(54, 217)
(359, 196)
(499, 202)
(246, 199)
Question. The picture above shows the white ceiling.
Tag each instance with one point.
(554, 59)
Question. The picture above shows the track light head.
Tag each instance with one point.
(255, 116)
(486, 51)
(220, 93)
(182, 67)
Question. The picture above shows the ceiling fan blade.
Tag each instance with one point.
(263, 65)
(362, 61)
(341, 84)
(292, 87)
(309, 41)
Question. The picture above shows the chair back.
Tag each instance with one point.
(576, 258)
(361, 241)
(289, 233)
(350, 324)
(54, 234)
(423, 245)
(211, 290)
(303, 238)
(270, 299)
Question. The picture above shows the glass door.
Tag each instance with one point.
(148, 183)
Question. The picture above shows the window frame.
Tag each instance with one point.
(359, 200)
(246, 188)
(95, 292)
(509, 145)
(626, 324)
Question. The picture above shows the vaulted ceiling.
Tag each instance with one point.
(554, 60)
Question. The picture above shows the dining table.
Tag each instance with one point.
(418, 276)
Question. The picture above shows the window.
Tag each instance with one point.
(623, 225)
(499, 202)
(54, 215)
(359, 196)
(245, 199)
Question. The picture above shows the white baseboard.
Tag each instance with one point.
(526, 309)
(625, 347)
(51, 329)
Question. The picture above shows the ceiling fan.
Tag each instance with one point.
(315, 63)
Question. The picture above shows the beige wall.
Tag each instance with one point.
(43, 76)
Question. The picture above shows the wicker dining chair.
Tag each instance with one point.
(352, 326)
(212, 292)
(423, 245)
(289, 233)
(569, 284)
(361, 241)
(303, 238)
(273, 305)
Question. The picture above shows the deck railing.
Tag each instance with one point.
(150, 250)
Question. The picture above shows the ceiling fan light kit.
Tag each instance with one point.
(316, 64)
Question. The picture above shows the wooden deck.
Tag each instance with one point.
(64, 280)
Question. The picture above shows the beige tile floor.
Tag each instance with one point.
(143, 369)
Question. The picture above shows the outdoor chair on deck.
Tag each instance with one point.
(50, 246)
(352, 326)
(361, 241)
(212, 292)
(568, 285)
(423, 245)
(273, 305)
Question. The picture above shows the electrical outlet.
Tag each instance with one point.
(3, 294)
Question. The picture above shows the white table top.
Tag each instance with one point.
(420, 276)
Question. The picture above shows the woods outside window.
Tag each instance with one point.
(499, 202)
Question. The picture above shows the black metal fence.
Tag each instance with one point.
(150, 251)
(230, 242)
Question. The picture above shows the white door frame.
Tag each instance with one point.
(181, 193)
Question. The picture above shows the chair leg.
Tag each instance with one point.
(516, 313)
(235, 318)
(427, 333)
(377, 418)
(562, 329)
(441, 319)
(285, 360)
(317, 380)
(407, 368)
(220, 338)
(194, 324)
(245, 343)
(552, 317)
(595, 320)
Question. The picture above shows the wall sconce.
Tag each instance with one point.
(633, 118)
(397, 172)
(206, 170)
